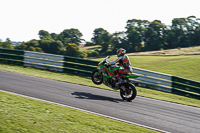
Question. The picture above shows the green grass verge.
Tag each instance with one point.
(87, 81)
(20, 114)
(90, 48)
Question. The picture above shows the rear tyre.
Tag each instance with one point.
(128, 91)
(97, 77)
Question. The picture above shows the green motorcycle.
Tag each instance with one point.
(105, 74)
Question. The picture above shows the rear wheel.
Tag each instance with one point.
(128, 91)
(97, 77)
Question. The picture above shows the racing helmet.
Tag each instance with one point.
(121, 52)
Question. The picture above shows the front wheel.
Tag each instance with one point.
(97, 77)
(128, 91)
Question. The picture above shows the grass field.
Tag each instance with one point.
(24, 115)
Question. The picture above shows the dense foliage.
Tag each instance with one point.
(140, 35)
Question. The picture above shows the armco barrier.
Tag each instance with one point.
(185, 87)
(12, 51)
(11, 56)
(43, 61)
(153, 80)
(58, 63)
(148, 79)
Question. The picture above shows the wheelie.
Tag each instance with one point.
(116, 76)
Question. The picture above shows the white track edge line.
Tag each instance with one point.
(114, 118)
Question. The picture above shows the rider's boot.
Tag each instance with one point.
(120, 81)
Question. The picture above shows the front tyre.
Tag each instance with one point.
(97, 77)
(128, 91)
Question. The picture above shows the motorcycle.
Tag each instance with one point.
(105, 74)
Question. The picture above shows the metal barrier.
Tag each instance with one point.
(11, 56)
(153, 80)
(185, 87)
(60, 63)
(43, 61)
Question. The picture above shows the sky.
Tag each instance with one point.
(21, 20)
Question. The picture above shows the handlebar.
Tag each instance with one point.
(108, 56)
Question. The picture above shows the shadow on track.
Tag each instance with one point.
(90, 96)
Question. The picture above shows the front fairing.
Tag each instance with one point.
(130, 75)
(115, 67)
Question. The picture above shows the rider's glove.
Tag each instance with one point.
(106, 64)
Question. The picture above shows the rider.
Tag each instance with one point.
(123, 60)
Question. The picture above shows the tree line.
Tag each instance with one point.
(139, 36)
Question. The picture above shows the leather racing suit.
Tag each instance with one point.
(123, 61)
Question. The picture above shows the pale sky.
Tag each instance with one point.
(21, 20)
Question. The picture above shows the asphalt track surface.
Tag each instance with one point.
(161, 115)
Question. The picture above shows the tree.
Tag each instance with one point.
(31, 48)
(44, 34)
(38, 49)
(0, 43)
(170, 39)
(72, 50)
(21, 46)
(72, 36)
(135, 30)
(51, 46)
(105, 40)
(193, 25)
(154, 36)
(134, 39)
(104, 47)
(196, 40)
(7, 44)
(118, 40)
(179, 28)
(97, 36)
(33, 43)
(101, 37)
(54, 36)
